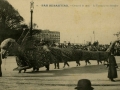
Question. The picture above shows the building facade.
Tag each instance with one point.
(46, 35)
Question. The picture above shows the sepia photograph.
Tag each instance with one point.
(60, 44)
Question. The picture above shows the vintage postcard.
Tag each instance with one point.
(78, 34)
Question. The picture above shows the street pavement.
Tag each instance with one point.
(57, 79)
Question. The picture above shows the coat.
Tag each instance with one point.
(112, 72)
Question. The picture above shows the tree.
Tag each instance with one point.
(10, 19)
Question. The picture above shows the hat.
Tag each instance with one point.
(84, 84)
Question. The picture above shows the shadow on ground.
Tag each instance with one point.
(75, 70)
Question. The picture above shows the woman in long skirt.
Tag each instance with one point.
(112, 72)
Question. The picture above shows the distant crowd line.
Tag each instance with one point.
(90, 47)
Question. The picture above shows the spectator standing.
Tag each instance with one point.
(112, 72)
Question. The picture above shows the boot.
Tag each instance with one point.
(112, 80)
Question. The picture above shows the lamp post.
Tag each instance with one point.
(31, 10)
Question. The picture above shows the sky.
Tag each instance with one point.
(75, 19)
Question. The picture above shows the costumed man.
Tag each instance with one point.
(112, 72)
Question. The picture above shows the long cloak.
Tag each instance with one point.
(112, 72)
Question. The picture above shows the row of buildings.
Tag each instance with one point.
(52, 36)
(46, 35)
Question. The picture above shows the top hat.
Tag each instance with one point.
(84, 84)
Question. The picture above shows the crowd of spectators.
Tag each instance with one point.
(89, 47)
(92, 47)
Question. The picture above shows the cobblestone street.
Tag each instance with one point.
(57, 79)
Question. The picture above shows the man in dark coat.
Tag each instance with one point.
(112, 72)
